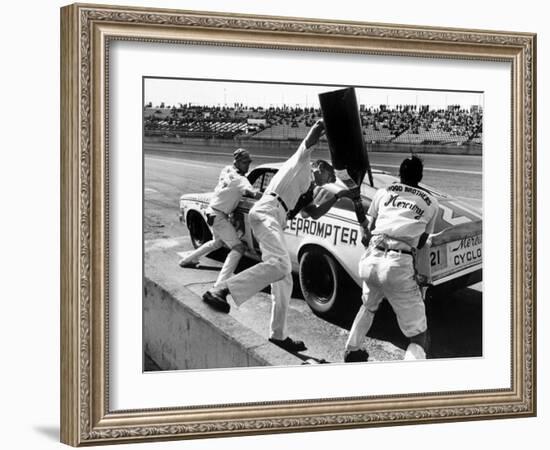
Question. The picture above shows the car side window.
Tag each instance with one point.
(267, 179)
(258, 183)
(260, 179)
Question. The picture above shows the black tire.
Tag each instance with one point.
(327, 288)
(198, 230)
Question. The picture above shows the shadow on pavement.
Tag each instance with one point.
(149, 365)
(454, 319)
(456, 323)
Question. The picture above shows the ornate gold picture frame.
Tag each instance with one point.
(87, 31)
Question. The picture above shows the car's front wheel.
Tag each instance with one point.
(327, 288)
(198, 229)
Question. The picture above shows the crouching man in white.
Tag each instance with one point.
(403, 215)
(232, 185)
(267, 220)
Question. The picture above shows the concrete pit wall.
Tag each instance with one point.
(181, 332)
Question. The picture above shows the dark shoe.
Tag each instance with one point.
(289, 344)
(360, 355)
(189, 265)
(216, 301)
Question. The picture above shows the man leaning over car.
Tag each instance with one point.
(268, 219)
(232, 185)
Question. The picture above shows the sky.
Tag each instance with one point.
(226, 93)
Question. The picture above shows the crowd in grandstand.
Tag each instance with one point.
(399, 123)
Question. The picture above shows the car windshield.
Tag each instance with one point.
(261, 178)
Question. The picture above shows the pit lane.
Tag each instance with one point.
(455, 318)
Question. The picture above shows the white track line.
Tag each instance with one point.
(469, 199)
(278, 158)
(184, 163)
(164, 149)
(200, 152)
(468, 208)
(434, 169)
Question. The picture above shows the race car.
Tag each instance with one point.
(325, 252)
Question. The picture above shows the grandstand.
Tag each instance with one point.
(400, 124)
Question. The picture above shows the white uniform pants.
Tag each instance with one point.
(223, 233)
(267, 219)
(390, 275)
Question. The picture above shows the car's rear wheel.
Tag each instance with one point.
(198, 230)
(327, 288)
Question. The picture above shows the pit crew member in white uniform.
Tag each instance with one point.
(403, 215)
(232, 185)
(268, 218)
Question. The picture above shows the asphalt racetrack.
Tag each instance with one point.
(457, 175)
(455, 319)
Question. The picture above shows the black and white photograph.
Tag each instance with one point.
(268, 225)
(289, 224)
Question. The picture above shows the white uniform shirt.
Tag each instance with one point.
(229, 190)
(403, 212)
(294, 177)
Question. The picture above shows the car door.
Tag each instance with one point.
(259, 179)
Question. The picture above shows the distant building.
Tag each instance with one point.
(257, 122)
